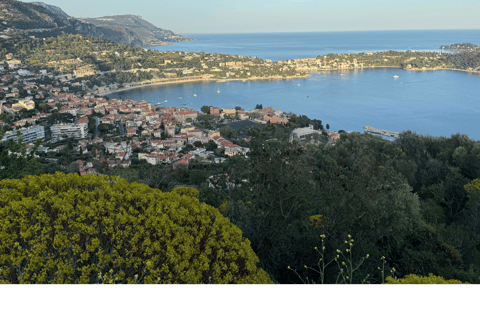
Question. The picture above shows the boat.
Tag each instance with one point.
(298, 85)
(395, 76)
(194, 95)
(218, 91)
(179, 97)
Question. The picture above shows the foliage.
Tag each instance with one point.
(430, 279)
(70, 229)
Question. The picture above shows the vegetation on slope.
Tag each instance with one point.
(99, 229)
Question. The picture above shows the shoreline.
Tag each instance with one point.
(409, 69)
(140, 85)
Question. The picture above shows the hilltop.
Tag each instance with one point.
(42, 20)
(53, 9)
(149, 34)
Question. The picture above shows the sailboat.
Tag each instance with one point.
(218, 91)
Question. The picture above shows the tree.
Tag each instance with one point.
(328, 126)
(100, 229)
(258, 106)
(197, 144)
(205, 109)
(226, 132)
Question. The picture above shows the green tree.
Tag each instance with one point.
(98, 229)
(205, 109)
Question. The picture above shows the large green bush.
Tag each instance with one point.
(97, 229)
(414, 279)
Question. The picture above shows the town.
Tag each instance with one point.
(114, 132)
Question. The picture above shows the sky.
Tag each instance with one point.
(247, 16)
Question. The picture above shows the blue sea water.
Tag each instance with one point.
(436, 103)
(283, 46)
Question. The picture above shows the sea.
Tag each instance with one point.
(437, 103)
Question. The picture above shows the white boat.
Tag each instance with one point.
(218, 91)
(165, 101)
(298, 85)
(179, 97)
(194, 95)
(395, 76)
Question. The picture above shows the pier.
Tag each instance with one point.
(387, 133)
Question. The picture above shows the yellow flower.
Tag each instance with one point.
(348, 250)
(349, 236)
(323, 247)
(338, 251)
(288, 267)
(315, 248)
(305, 266)
(322, 236)
(338, 256)
(346, 241)
(343, 262)
(383, 257)
(368, 255)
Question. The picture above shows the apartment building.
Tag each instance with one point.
(69, 129)
(29, 134)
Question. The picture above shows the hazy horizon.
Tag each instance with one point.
(286, 16)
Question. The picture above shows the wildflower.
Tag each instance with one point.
(315, 248)
(323, 247)
(347, 277)
(288, 267)
(346, 241)
(378, 268)
(343, 262)
(338, 256)
(338, 251)
(383, 257)
(348, 250)
(351, 244)
(393, 269)
(322, 236)
(349, 236)
(368, 255)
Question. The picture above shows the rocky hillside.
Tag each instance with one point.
(42, 20)
(148, 33)
(53, 9)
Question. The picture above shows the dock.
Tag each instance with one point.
(387, 133)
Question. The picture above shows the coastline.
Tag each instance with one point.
(310, 70)
(143, 85)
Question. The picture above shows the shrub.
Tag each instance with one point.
(98, 229)
(414, 279)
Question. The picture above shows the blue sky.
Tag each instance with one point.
(241, 16)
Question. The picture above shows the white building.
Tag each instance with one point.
(29, 134)
(301, 134)
(68, 129)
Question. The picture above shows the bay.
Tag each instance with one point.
(439, 103)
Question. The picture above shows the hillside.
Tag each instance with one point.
(53, 9)
(149, 34)
(42, 20)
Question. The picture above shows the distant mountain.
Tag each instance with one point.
(43, 20)
(53, 9)
(148, 33)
